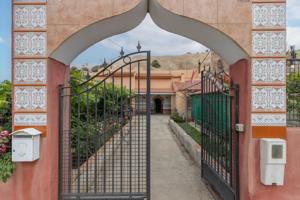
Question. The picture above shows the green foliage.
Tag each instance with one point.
(293, 92)
(5, 106)
(6, 164)
(99, 114)
(6, 167)
(155, 64)
(94, 98)
(293, 83)
(191, 131)
(176, 117)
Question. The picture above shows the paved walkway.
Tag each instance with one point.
(174, 176)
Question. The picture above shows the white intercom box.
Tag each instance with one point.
(26, 145)
(272, 161)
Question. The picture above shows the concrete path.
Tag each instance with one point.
(174, 176)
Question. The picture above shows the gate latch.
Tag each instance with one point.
(240, 127)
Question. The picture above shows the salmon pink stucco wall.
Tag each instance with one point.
(240, 75)
(250, 185)
(291, 188)
(39, 180)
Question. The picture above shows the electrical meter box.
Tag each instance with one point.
(272, 161)
(26, 145)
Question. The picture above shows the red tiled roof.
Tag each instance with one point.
(187, 85)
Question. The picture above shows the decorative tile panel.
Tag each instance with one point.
(30, 72)
(30, 98)
(268, 15)
(32, 119)
(268, 98)
(268, 70)
(30, 17)
(268, 43)
(268, 119)
(30, 44)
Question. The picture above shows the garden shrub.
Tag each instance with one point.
(88, 132)
(293, 92)
(155, 64)
(6, 165)
(5, 106)
(176, 117)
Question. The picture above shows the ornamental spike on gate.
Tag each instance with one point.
(122, 52)
(139, 47)
(104, 64)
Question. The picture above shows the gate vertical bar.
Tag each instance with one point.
(237, 142)
(96, 141)
(69, 106)
(148, 125)
(60, 137)
(201, 121)
(139, 110)
(113, 138)
(226, 140)
(104, 134)
(130, 133)
(78, 143)
(87, 141)
(121, 151)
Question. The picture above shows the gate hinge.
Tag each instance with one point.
(240, 128)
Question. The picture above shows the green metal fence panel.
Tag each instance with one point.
(217, 111)
(196, 108)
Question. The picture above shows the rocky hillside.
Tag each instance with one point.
(178, 62)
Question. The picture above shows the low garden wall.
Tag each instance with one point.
(187, 141)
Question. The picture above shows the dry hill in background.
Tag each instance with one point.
(187, 61)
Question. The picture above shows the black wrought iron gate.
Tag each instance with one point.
(105, 132)
(219, 139)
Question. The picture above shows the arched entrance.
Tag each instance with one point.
(236, 30)
(158, 105)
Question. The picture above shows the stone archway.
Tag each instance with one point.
(248, 34)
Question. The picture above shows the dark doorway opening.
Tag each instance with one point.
(158, 106)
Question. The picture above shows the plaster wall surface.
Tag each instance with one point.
(232, 17)
(69, 16)
(290, 189)
(234, 26)
(39, 180)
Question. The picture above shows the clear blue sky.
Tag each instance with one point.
(5, 39)
(147, 33)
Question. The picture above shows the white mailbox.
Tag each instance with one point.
(26, 145)
(272, 161)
